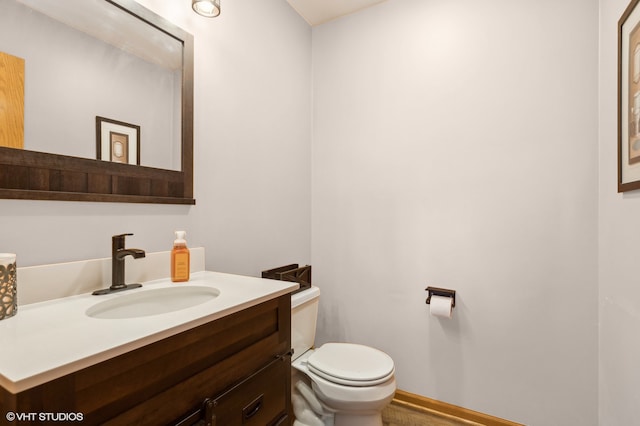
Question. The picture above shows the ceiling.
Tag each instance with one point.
(316, 12)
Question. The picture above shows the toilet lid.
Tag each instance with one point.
(351, 364)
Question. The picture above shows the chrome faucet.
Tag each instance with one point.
(118, 253)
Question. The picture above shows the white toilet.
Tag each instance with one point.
(350, 384)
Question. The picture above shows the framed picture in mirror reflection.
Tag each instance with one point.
(117, 141)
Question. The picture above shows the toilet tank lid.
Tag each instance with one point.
(304, 296)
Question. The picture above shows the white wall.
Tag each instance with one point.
(455, 145)
(619, 235)
(254, 130)
(252, 149)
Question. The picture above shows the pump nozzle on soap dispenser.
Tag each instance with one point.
(180, 259)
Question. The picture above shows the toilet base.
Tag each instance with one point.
(346, 419)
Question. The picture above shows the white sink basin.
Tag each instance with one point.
(145, 303)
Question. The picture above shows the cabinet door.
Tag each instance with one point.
(258, 400)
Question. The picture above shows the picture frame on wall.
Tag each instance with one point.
(629, 98)
(117, 141)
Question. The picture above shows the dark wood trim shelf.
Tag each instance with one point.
(42, 176)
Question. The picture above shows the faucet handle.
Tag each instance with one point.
(117, 241)
(121, 235)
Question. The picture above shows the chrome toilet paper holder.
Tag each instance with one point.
(444, 292)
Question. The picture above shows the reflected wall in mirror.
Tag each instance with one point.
(99, 58)
(94, 67)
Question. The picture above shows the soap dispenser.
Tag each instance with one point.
(180, 259)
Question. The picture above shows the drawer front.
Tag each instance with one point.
(259, 400)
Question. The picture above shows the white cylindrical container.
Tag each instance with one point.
(8, 286)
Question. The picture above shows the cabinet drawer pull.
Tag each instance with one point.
(209, 416)
(282, 420)
(252, 408)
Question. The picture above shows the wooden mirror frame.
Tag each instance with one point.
(43, 176)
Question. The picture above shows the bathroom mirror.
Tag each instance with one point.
(108, 103)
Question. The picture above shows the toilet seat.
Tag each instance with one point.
(351, 364)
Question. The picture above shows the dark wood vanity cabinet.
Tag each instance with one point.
(232, 371)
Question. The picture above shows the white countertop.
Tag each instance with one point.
(48, 340)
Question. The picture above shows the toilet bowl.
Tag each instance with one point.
(350, 384)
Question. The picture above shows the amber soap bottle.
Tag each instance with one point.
(180, 259)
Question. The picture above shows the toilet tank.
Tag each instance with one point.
(304, 314)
